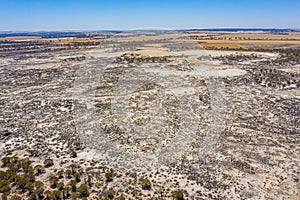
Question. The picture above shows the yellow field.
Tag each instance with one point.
(245, 40)
(244, 43)
(209, 40)
(249, 36)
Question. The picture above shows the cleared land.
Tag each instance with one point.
(58, 89)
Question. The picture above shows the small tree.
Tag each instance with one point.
(48, 162)
(53, 181)
(72, 183)
(83, 190)
(38, 189)
(122, 197)
(77, 177)
(60, 185)
(73, 167)
(38, 170)
(29, 187)
(55, 194)
(66, 192)
(89, 181)
(73, 154)
(110, 193)
(109, 176)
(146, 184)
(4, 196)
(30, 175)
(60, 174)
(68, 173)
(38, 185)
(21, 182)
(25, 164)
(9, 174)
(178, 195)
(47, 194)
(4, 183)
(5, 189)
(75, 196)
(9, 160)
(77, 144)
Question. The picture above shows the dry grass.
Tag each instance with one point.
(219, 44)
(154, 52)
(71, 40)
(249, 36)
(153, 45)
(245, 43)
(225, 40)
(245, 40)
(206, 40)
(294, 198)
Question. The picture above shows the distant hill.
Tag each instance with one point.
(80, 34)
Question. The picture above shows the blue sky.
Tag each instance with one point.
(35, 15)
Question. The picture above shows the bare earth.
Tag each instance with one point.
(151, 116)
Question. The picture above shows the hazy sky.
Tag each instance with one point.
(128, 14)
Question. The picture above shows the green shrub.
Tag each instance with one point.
(21, 182)
(5, 189)
(75, 195)
(109, 176)
(4, 196)
(53, 181)
(60, 185)
(77, 177)
(68, 173)
(73, 154)
(55, 194)
(48, 162)
(83, 190)
(178, 195)
(60, 174)
(38, 170)
(72, 183)
(146, 184)
(111, 193)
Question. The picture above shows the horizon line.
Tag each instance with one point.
(150, 28)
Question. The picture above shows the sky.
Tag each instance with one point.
(59, 15)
